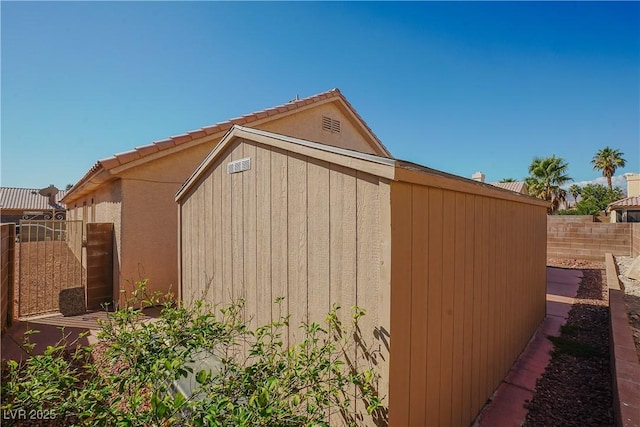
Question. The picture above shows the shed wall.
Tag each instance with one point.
(294, 227)
(468, 291)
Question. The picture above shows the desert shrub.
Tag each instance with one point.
(252, 377)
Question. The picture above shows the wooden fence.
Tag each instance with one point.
(8, 239)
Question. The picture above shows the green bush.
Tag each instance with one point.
(257, 380)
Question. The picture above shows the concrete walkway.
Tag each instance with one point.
(51, 333)
(506, 408)
(51, 329)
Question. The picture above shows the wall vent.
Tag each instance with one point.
(239, 165)
(330, 125)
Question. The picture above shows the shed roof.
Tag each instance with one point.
(628, 202)
(28, 199)
(127, 158)
(393, 169)
(517, 186)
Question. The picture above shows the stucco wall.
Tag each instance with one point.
(569, 237)
(150, 220)
(104, 205)
(308, 125)
(291, 227)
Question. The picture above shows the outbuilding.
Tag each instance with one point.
(135, 190)
(451, 272)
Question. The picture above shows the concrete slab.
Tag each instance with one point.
(506, 408)
(13, 340)
(51, 329)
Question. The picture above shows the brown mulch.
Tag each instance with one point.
(576, 388)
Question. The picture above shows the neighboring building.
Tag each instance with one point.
(627, 209)
(135, 190)
(439, 268)
(515, 186)
(633, 184)
(28, 203)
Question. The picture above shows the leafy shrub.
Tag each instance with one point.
(257, 380)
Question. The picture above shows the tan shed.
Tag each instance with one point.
(135, 190)
(450, 271)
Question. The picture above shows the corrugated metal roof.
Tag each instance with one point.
(28, 199)
(629, 202)
(517, 186)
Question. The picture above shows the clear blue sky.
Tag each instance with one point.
(459, 87)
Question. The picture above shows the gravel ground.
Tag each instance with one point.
(631, 298)
(575, 389)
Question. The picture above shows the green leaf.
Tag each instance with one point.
(263, 398)
(179, 400)
(201, 376)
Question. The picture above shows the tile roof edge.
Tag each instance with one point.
(620, 203)
(217, 127)
(143, 151)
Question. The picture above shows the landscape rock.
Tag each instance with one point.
(633, 271)
(71, 301)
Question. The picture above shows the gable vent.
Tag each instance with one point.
(330, 125)
(239, 165)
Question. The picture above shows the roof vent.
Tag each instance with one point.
(239, 165)
(330, 125)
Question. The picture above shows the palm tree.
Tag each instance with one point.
(546, 177)
(575, 191)
(508, 180)
(608, 160)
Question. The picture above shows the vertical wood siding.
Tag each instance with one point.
(292, 227)
(454, 282)
(468, 290)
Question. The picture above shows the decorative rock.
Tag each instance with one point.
(634, 269)
(71, 301)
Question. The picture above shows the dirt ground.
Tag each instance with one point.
(43, 269)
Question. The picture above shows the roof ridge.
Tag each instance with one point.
(175, 140)
(142, 151)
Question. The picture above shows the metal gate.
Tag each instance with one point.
(50, 264)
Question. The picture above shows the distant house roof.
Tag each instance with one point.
(628, 202)
(144, 151)
(28, 199)
(517, 186)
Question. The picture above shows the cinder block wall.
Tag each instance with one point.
(580, 237)
(635, 228)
